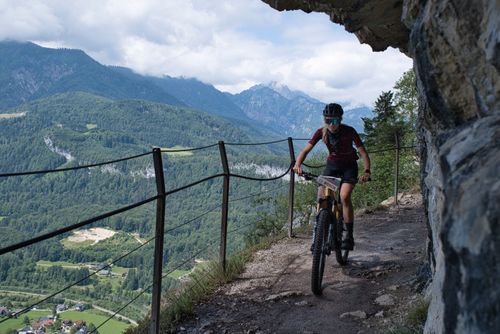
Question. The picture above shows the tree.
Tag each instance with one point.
(393, 125)
(406, 96)
(388, 125)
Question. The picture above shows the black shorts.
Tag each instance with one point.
(346, 170)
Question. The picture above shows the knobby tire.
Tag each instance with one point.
(319, 254)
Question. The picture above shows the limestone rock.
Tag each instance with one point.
(354, 314)
(455, 45)
(385, 300)
(374, 22)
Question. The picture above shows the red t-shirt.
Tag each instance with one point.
(345, 150)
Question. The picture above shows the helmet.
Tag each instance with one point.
(333, 110)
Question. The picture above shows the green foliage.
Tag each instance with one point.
(34, 205)
(414, 319)
(394, 122)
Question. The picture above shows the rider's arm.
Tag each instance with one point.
(301, 157)
(366, 163)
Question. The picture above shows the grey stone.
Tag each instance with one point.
(354, 314)
(385, 300)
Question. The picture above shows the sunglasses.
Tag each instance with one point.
(333, 121)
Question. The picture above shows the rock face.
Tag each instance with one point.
(455, 45)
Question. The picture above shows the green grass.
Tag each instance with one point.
(177, 147)
(414, 320)
(13, 324)
(63, 264)
(119, 270)
(72, 245)
(111, 327)
(178, 273)
(115, 281)
(2, 218)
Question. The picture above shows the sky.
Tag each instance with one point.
(231, 44)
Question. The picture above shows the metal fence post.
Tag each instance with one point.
(396, 176)
(159, 230)
(291, 191)
(225, 206)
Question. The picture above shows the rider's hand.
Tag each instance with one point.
(364, 178)
(297, 169)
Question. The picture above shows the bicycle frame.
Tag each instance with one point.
(328, 230)
(331, 202)
(331, 199)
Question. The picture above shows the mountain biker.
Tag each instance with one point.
(341, 162)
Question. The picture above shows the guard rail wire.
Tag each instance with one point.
(160, 230)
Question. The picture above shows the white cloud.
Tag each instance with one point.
(231, 44)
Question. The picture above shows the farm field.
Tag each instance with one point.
(111, 327)
(12, 324)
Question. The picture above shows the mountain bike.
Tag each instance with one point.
(329, 228)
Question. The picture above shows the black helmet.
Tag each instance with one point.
(333, 110)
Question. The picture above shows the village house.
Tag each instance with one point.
(80, 307)
(61, 307)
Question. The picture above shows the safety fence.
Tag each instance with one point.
(160, 230)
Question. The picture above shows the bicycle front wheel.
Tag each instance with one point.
(319, 254)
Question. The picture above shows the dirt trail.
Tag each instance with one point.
(273, 294)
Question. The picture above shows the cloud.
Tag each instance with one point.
(232, 44)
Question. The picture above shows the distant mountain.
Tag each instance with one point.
(193, 93)
(293, 113)
(29, 72)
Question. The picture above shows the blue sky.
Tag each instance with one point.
(232, 44)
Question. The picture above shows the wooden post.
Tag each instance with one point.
(396, 176)
(225, 206)
(291, 191)
(158, 252)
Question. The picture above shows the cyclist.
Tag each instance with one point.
(341, 162)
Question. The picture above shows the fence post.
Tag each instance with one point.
(225, 205)
(291, 191)
(396, 176)
(159, 230)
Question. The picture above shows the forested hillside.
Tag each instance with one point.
(29, 72)
(79, 128)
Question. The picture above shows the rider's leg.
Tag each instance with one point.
(348, 212)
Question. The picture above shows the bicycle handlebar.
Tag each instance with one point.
(309, 176)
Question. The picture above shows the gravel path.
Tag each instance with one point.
(366, 296)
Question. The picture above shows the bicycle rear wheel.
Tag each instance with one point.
(319, 254)
(338, 233)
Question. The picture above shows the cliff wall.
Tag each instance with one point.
(455, 45)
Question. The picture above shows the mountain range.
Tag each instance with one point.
(29, 72)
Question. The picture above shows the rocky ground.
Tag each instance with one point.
(367, 296)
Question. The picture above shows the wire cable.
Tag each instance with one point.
(74, 168)
(257, 179)
(255, 144)
(170, 192)
(256, 194)
(189, 149)
(26, 309)
(191, 220)
(49, 235)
